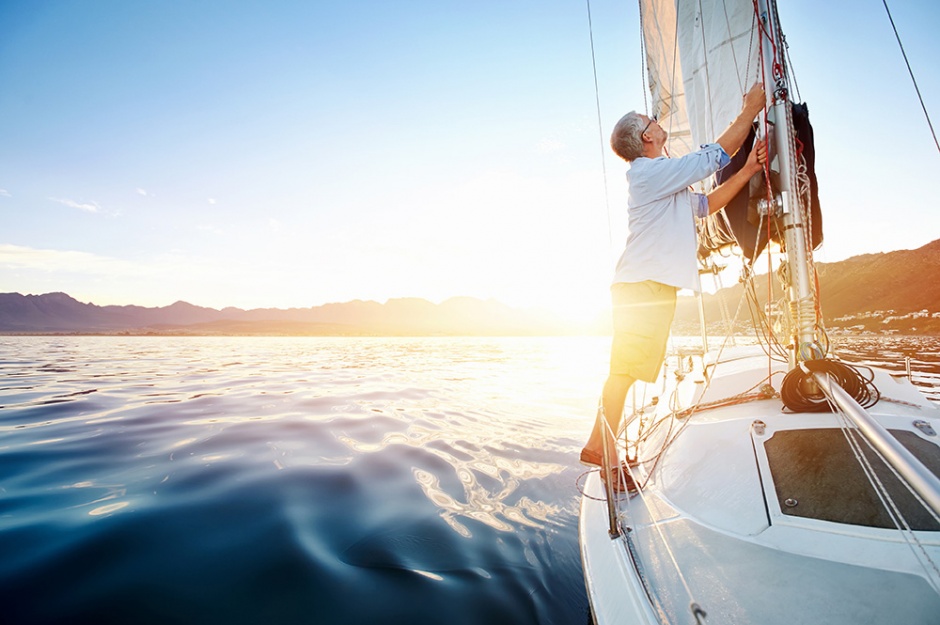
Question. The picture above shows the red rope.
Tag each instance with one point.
(766, 128)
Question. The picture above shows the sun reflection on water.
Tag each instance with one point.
(109, 508)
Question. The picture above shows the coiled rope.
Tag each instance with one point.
(799, 392)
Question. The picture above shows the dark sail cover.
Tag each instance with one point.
(738, 222)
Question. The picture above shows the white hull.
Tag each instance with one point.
(716, 525)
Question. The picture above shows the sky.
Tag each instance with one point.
(297, 153)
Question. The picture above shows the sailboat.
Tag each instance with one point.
(772, 482)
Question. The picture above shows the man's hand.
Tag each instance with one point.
(754, 100)
(757, 157)
(733, 136)
(721, 195)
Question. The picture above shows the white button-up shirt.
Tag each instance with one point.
(662, 245)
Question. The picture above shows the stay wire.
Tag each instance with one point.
(600, 129)
(911, 72)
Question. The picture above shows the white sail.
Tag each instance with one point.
(701, 58)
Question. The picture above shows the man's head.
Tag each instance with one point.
(627, 139)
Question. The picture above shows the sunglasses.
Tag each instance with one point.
(647, 127)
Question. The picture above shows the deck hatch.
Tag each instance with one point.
(816, 475)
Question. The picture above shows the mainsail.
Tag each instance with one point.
(701, 58)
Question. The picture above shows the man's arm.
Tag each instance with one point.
(725, 192)
(735, 134)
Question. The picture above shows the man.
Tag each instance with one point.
(660, 254)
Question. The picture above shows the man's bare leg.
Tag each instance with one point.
(615, 394)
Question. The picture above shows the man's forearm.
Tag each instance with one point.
(735, 134)
(725, 192)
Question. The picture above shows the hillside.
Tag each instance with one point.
(887, 292)
(907, 281)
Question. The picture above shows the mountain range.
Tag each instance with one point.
(61, 313)
(886, 292)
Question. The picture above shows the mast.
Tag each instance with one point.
(788, 203)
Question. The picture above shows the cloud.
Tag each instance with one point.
(5, 193)
(211, 200)
(19, 257)
(108, 280)
(90, 207)
(142, 192)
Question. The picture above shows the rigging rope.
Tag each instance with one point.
(911, 72)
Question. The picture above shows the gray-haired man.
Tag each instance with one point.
(660, 254)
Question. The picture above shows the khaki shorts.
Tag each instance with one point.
(642, 314)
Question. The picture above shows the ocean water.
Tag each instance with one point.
(896, 354)
(301, 480)
(293, 480)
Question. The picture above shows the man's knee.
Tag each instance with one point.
(620, 379)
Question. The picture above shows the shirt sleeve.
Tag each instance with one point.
(700, 202)
(700, 205)
(723, 158)
(653, 179)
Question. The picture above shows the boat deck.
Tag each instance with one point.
(740, 581)
(742, 503)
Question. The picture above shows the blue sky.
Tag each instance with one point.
(298, 153)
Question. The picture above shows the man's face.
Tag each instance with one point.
(653, 131)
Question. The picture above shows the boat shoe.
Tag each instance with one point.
(623, 480)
